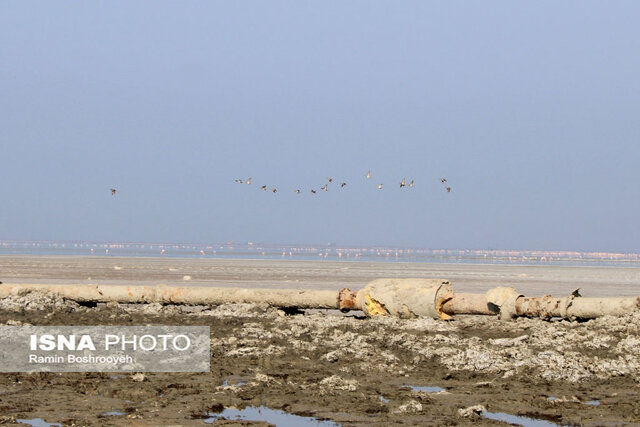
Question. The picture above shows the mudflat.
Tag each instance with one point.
(324, 365)
(530, 280)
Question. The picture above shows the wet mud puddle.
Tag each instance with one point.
(113, 414)
(38, 422)
(426, 389)
(262, 413)
(589, 402)
(517, 420)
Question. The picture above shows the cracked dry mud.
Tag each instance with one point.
(344, 368)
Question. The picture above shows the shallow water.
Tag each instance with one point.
(517, 420)
(590, 402)
(232, 250)
(279, 418)
(38, 422)
(225, 383)
(427, 389)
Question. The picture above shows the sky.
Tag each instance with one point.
(530, 109)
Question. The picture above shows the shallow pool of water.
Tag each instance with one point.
(225, 383)
(38, 422)
(427, 389)
(262, 413)
(590, 402)
(113, 414)
(518, 420)
(382, 399)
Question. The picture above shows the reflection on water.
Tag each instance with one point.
(517, 420)
(590, 402)
(262, 413)
(38, 422)
(113, 414)
(250, 250)
(427, 389)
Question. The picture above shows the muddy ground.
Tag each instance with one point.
(344, 368)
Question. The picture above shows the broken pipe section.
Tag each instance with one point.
(403, 298)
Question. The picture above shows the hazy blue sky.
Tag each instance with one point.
(530, 109)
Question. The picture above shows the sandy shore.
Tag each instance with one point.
(529, 280)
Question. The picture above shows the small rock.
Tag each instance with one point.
(509, 374)
(332, 356)
(483, 384)
(337, 383)
(111, 305)
(139, 377)
(509, 342)
(411, 407)
(472, 411)
(262, 378)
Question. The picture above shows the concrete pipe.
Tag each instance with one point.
(575, 307)
(404, 298)
(193, 295)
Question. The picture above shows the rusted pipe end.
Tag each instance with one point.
(346, 300)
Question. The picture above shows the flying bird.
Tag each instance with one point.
(402, 183)
(263, 188)
(411, 183)
(113, 191)
(368, 175)
(443, 180)
(448, 189)
(313, 191)
(275, 190)
(330, 179)
(248, 182)
(324, 188)
(239, 181)
(379, 186)
(297, 191)
(342, 184)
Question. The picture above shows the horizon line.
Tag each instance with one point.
(231, 243)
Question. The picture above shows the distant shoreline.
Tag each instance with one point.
(250, 250)
(530, 280)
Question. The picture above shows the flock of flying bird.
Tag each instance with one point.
(403, 183)
(325, 187)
